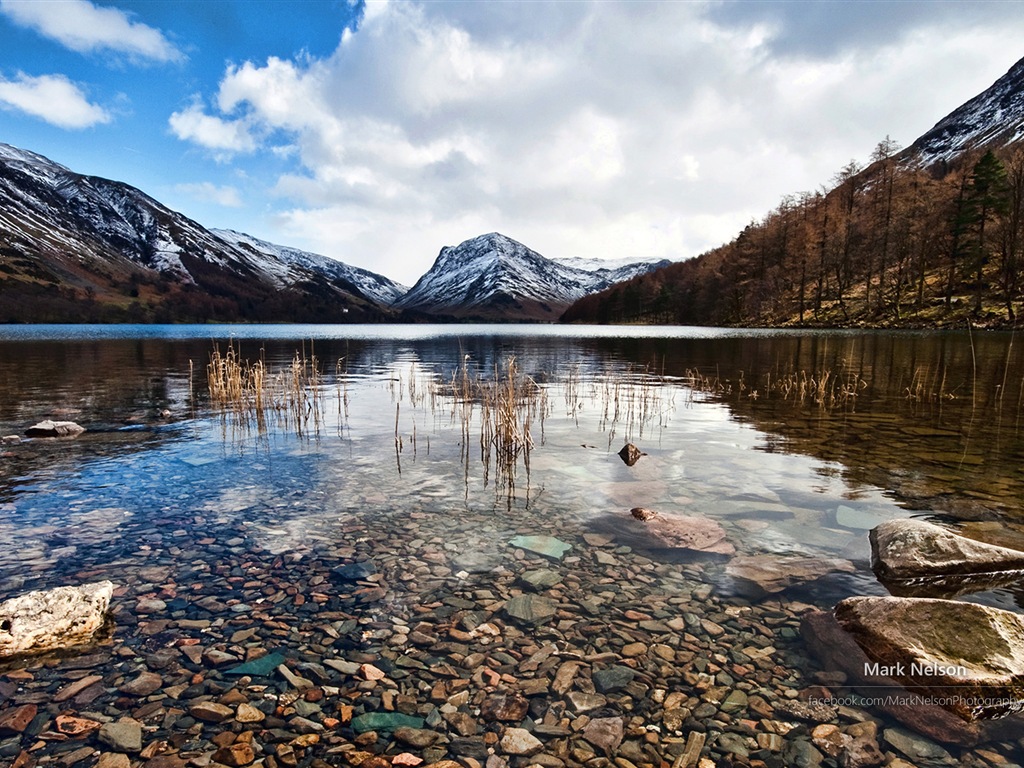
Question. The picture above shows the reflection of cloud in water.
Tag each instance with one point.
(291, 536)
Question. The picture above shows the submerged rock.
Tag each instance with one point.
(905, 550)
(355, 571)
(49, 428)
(759, 575)
(548, 546)
(50, 620)
(970, 657)
(694, 533)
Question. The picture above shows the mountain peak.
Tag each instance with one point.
(493, 277)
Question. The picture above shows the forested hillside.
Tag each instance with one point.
(888, 245)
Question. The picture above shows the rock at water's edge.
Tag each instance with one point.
(911, 549)
(49, 428)
(969, 656)
(49, 620)
(836, 650)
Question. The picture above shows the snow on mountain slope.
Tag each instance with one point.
(65, 236)
(288, 264)
(991, 120)
(495, 277)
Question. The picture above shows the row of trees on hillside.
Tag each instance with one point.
(889, 244)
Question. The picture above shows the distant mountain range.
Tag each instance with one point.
(83, 248)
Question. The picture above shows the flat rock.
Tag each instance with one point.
(613, 678)
(547, 546)
(504, 707)
(122, 736)
(913, 746)
(53, 619)
(49, 428)
(385, 721)
(247, 713)
(261, 667)
(235, 755)
(581, 703)
(420, 738)
(758, 575)
(211, 712)
(531, 609)
(519, 741)
(699, 534)
(942, 647)
(143, 684)
(355, 571)
(15, 720)
(921, 558)
(605, 733)
(539, 580)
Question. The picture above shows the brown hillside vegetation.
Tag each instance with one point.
(890, 245)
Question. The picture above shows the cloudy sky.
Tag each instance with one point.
(376, 133)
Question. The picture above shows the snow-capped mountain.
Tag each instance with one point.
(991, 120)
(377, 287)
(492, 277)
(76, 247)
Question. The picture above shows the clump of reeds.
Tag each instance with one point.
(504, 407)
(826, 388)
(251, 392)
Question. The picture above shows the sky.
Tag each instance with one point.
(378, 132)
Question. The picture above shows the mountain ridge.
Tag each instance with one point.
(85, 248)
(492, 276)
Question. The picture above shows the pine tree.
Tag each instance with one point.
(987, 199)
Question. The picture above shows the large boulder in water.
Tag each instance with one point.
(915, 557)
(837, 651)
(50, 620)
(967, 656)
(50, 428)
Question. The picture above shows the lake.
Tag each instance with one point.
(469, 477)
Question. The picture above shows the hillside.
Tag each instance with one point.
(82, 248)
(930, 236)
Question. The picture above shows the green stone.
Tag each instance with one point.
(261, 667)
(548, 546)
(385, 721)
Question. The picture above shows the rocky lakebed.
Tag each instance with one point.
(403, 640)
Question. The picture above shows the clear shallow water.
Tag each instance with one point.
(394, 469)
(782, 475)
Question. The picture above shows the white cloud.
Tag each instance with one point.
(583, 129)
(208, 192)
(52, 98)
(212, 132)
(86, 28)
